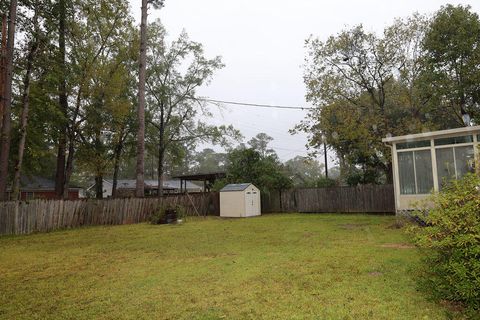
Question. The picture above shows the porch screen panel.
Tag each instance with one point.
(445, 165)
(464, 160)
(406, 172)
(423, 169)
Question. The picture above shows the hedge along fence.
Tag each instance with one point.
(25, 217)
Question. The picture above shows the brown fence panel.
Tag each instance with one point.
(24, 217)
(270, 202)
(359, 199)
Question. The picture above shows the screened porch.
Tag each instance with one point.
(425, 162)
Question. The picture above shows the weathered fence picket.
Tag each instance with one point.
(24, 217)
(365, 198)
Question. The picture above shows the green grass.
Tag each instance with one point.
(271, 267)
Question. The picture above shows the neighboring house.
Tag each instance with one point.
(423, 162)
(34, 187)
(126, 188)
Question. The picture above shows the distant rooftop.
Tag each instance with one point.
(201, 176)
(235, 187)
(39, 183)
(152, 184)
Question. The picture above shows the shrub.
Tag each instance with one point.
(451, 243)
(325, 183)
(160, 216)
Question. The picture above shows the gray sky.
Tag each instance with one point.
(262, 44)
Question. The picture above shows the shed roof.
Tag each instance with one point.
(235, 187)
(433, 134)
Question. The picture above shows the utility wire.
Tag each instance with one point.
(255, 104)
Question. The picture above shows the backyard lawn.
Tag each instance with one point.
(272, 267)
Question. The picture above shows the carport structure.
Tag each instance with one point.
(208, 180)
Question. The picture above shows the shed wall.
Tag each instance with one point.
(232, 204)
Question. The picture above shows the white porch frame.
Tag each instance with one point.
(407, 202)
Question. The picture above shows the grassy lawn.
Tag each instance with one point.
(271, 267)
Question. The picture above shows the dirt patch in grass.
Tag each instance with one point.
(353, 226)
(397, 246)
(453, 306)
(399, 224)
(375, 273)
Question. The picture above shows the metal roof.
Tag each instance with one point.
(153, 184)
(37, 183)
(235, 187)
(202, 176)
(433, 134)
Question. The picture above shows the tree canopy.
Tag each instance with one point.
(421, 74)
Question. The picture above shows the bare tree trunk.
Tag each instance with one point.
(63, 102)
(99, 186)
(161, 161)
(6, 126)
(24, 118)
(69, 166)
(140, 186)
(161, 150)
(116, 165)
(3, 67)
(60, 167)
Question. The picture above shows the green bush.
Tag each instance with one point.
(451, 244)
(325, 183)
(159, 216)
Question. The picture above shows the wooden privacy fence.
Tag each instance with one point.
(24, 217)
(365, 198)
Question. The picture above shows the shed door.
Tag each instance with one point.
(251, 202)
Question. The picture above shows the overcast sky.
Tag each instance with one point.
(262, 44)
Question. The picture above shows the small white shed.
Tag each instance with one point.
(240, 200)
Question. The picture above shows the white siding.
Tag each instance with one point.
(244, 203)
(232, 204)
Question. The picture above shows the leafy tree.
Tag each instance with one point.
(260, 143)
(107, 107)
(305, 171)
(6, 97)
(174, 74)
(208, 160)
(33, 43)
(142, 66)
(248, 165)
(365, 87)
(452, 60)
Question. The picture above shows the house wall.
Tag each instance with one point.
(232, 204)
(30, 195)
(107, 190)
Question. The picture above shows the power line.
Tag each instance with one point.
(255, 104)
